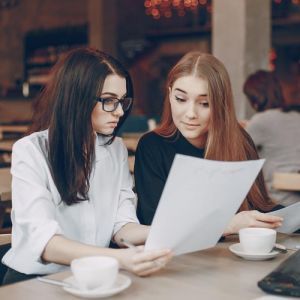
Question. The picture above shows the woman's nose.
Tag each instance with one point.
(119, 110)
(191, 111)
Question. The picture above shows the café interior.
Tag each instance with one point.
(148, 37)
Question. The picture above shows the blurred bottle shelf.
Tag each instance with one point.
(42, 49)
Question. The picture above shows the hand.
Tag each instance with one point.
(252, 218)
(243, 123)
(143, 263)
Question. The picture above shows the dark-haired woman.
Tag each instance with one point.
(198, 120)
(71, 187)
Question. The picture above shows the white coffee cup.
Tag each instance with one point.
(257, 240)
(95, 271)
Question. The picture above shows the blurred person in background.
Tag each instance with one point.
(275, 130)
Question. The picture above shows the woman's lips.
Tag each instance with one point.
(190, 125)
(113, 124)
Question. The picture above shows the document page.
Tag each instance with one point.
(199, 199)
(291, 218)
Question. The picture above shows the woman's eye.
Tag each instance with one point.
(110, 101)
(204, 104)
(179, 99)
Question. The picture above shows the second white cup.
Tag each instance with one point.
(257, 240)
(95, 271)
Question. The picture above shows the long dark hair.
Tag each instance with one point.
(65, 107)
(226, 139)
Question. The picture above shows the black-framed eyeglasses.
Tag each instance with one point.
(111, 104)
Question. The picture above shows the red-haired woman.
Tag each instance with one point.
(198, 120)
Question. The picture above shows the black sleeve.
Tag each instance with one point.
(150, 177)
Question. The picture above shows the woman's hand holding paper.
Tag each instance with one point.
(144, 263)
(252, 218)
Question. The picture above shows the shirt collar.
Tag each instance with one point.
(100, 146)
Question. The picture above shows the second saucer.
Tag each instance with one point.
(237, 250)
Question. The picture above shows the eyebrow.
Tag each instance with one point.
(112, 94)
(182, 91)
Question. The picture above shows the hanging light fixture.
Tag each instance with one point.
(169, 8)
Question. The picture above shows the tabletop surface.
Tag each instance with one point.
(215, 273)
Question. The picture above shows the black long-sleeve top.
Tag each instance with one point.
(153, 159)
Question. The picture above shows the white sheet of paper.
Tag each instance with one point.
(199, 199)
(291, 218)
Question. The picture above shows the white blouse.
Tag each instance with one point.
(38, 212)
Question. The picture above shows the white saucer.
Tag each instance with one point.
(236, 249)
(122, 283)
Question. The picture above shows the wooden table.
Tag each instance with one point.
(212, 274)
(5, 184)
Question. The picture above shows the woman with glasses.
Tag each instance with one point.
(198, 120)
(71, 187)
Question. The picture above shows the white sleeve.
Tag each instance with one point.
(33, 213)
(126, 209)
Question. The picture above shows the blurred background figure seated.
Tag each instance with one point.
(275, 130)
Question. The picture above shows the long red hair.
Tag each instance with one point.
(226, 139)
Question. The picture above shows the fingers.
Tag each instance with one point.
(252, 218)
(150, 255)
(267, 218)
(266, 224)
(149, 271)
(149, 262)
(149, 267)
